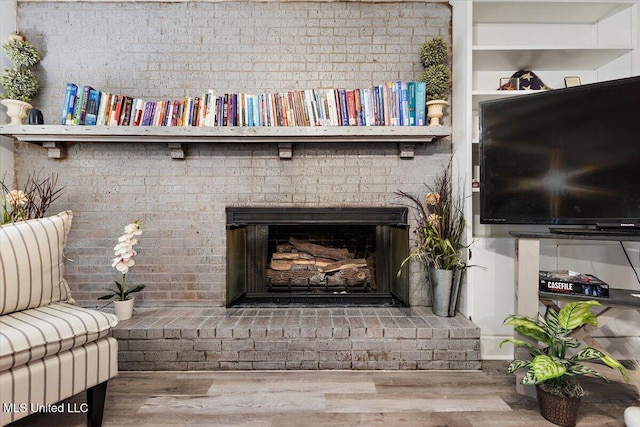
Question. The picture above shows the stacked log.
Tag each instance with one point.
(302, 263)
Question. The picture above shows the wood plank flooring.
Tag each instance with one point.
(333, 398)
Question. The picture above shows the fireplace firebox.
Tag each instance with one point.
(323, 256)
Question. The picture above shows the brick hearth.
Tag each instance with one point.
(296, 338)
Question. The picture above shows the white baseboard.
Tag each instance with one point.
(622, 348)
(490, 350)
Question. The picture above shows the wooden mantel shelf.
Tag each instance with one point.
(53, 137)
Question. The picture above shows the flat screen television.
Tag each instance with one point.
(564, 156)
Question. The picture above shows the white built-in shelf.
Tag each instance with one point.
(487, 95)
(496, 58)
(536, 12)
(53, 137)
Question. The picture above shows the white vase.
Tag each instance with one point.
(632, 416)
(124, 309)
(16, 110)
(435, 111)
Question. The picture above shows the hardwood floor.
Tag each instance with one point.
(334, 398)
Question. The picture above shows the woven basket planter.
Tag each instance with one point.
(558, 410)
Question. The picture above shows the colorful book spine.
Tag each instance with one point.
(77, 108)
(69, 104)
(103, 108)
(83, 105)
(404, 104)
(411, 89)
(421, 104)
(395, 103)
(91, 110)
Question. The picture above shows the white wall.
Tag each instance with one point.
(7, 11)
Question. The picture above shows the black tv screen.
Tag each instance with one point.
(564, 156)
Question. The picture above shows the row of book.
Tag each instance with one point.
(390, 104)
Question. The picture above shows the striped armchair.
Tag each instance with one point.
(49, 349)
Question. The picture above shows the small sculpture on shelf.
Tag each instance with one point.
(522, 80)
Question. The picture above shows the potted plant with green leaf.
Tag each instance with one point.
(439, 239)
(19, 82)
(558, 361)
(434, 56)
(123, 262)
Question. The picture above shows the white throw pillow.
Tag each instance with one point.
(32, 263)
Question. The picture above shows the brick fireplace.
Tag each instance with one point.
(185, 48)
(228, 47)
(182, 253)
(333, 256)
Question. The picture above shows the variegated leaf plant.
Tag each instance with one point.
(551, 361)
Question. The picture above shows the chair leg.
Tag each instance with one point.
(95, 400)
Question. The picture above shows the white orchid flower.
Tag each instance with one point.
(123, 261)
(122, 265)
(133, 229)
(123, 248)
(128, 255)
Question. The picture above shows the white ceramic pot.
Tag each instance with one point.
(16, 110)
(632, 416)
(124, 309)
(435, 111)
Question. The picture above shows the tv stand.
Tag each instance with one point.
(611, 233)
(527, 268)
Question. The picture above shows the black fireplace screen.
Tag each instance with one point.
(324, 255)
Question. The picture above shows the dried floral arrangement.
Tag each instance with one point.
(441, 223)
(32, 201)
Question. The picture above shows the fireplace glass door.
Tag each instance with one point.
(316, 256)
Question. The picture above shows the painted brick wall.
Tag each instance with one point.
(169, 50)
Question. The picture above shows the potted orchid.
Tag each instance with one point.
(122, 262)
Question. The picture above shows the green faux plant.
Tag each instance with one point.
(437, 76)
(19, 82)
(556, 363)
(438, 80)
(121, 292)
(433, 52)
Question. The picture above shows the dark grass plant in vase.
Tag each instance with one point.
(31, 201)
(439, 239)
(557, 362)
(122, 262)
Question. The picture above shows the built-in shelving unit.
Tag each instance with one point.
(497, 58)
(55, 137)
(592, 40)
(595, 40)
